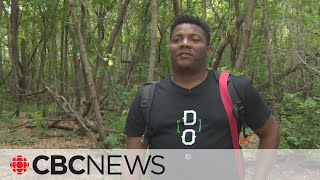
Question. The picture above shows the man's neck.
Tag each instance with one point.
(189, 81)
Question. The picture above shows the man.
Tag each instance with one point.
(187, 111)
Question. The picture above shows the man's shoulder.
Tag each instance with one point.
(153, 86)
(238, 79)
(161, 81)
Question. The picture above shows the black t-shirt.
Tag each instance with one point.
(195, 118)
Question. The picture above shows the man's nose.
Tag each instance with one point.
(185, 42)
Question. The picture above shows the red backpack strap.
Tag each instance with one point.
(228, 106)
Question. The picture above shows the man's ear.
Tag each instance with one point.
(208, 50)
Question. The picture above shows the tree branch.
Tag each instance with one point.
(63, 103)
(282, 75)
(223, 44)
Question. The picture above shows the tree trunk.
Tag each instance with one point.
(139, 49)
(162, 55)
(154, 28)
(1, 59)
(86, 65)
(8, 26)
(41, 68)
(14, 28)
(112, 38)
(25, 66)
(118, 25)
(84, 32)
(99, 73)
(62, 60)
(1, 10)
(268, 57)
(32, 61)
(176, 7)
(246, 35)
(188, 6)
(204, 10)
(43, 55)
(84, 20)
(77, 73)
(234, 45)
(65, 58)
(64, 52)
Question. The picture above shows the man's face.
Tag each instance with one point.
(188, 48)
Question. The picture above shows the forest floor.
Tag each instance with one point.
(22, 133)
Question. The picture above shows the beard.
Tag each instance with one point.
(188, 68)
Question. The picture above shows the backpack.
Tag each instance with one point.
(231, 99)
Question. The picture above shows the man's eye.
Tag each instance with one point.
(175, 39)
(195, 40)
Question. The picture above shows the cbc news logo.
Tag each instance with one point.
(19, 164)
(59, 164)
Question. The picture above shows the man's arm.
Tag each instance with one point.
(135, 143)
(269, 134)
(135, 125)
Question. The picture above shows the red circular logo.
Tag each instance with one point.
(19, 164)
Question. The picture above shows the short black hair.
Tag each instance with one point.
(188, 19)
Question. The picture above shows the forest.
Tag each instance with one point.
(70, 69)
